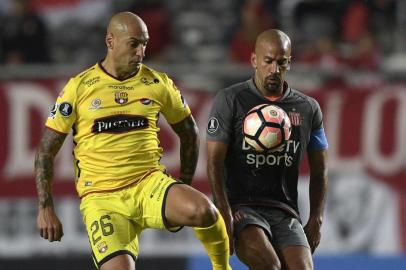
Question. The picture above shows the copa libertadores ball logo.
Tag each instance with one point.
(65, 109)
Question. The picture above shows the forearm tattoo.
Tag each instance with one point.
(49, 146)
(189, 148)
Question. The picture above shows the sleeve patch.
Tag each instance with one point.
(212, 125)
(54, 109)
(65, 109)
(183, 101)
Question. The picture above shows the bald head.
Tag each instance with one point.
(124, 22)
(271, 61)
(126, 40)
(273, 37)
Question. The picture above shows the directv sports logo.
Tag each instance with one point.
(277, 158)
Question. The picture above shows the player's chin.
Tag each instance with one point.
(135, 64)
(272, 87)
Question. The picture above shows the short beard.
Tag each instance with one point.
(273, 89)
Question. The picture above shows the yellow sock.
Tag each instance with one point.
(215, 240)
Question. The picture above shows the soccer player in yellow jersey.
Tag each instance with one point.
(113, 109)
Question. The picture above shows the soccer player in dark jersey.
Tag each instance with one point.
(257, 192)
(113, 109)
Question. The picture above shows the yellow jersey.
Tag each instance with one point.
(114, 125)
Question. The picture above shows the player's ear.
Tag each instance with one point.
(109, 41)
(254, 60)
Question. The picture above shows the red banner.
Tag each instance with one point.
(365, 127)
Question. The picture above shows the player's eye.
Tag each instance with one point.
(134, 44)
(283, 62)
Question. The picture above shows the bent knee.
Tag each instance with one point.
(204, 214)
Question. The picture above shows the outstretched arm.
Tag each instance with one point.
(216, 154)
(317, 194)
(189, 147)
(48, 223)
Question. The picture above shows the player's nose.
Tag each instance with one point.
(139, 51)
(273, 68)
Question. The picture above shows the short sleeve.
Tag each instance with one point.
(317, 119)
(63, 114)
(318, 139)
(220, 119)
(175, 107)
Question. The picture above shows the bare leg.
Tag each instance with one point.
(297, 258)
(254, 249)
(187, 206)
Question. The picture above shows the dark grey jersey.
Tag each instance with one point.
(254, 178)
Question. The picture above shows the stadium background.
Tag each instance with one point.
(350, 55)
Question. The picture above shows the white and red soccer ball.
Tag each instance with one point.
(266, 128)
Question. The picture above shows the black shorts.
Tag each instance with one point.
(282, 229)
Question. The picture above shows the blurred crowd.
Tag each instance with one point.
(330, 34)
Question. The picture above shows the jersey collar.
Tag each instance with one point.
(115, 78)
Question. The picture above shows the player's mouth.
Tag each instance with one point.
(136, 61)
(272, 80)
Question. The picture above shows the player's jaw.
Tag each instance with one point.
(134, 63)
(272, 84)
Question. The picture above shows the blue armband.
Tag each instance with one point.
(318, 140)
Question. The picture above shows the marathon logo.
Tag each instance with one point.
(120, 123)
(121, 87)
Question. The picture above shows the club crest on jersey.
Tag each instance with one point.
(212, 125)
(96, 104)
(295, 118)
(145, 101)
(102, 247)
(65, 109)
(121, 97)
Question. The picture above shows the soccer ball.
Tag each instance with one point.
(266, 128)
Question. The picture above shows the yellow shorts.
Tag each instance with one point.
(114, 220)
